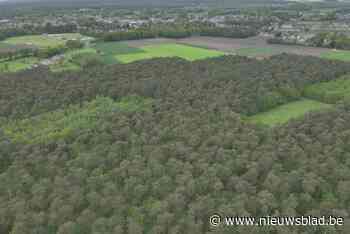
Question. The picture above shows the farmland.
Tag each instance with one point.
(169, 50)
(43, 41)
(254, 46)
(128, 51)
(286, 112)
(108, 50)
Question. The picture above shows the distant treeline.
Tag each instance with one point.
(326, 40)
(11, 55)
(31, 30)
(331, 40)
(179, 32)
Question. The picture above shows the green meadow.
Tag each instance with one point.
(337, 55)
(331, 91)
(286, 112)
(169, 50)
(109, 50)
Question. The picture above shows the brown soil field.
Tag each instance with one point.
(236, 46)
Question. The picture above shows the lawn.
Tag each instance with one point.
(17, 65)
(169, 50)
(43, 41)
(331, 91)
(286, 112)
(337, 55)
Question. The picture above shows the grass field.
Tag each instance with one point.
(169, 50)
(337, 55)
(43, 41)
(116, 48)
(109, 50)
(329, 92)
(284, 113)
(17, 65)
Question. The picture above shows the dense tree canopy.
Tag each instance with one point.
(188, 153)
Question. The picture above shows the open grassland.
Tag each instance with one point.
(18, 64)
(62, 123)
(108, 51)
(116, 48)
(284, 113)
(338, 55)
(169, 50)
(44, 41)
(329, 92)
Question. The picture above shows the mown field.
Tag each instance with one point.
(169, 50)
(286, 112)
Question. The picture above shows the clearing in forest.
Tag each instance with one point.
(331, 91)
(169, 50)
(286, 112)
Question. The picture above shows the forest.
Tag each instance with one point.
(181, 31)
(159, 145)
